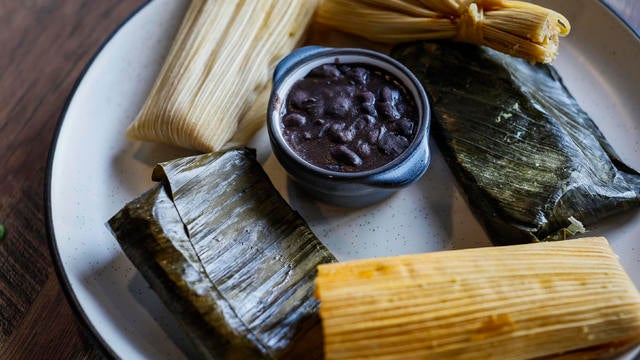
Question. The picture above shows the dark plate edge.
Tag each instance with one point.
(53, 248)
(77, 310)
(635, 31)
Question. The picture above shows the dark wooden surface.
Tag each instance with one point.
(44, 45)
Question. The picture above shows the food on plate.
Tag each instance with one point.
(533, 164)
(251, 122)
(565, 299)
(228, 256)
(301, 115)
(517, 28)
(221, 59)
(349, 117)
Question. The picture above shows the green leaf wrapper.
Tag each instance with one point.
(533, 164)
(228, 256)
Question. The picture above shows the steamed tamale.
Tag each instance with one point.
(533, 164)
(518, 28)
(221, 59)
(550, 300)
(226, 253)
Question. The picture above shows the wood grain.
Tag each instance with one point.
(44, 45)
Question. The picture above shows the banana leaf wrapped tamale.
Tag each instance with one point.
(228, 256)
(533, 164)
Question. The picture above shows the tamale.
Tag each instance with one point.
(531, 161)
(566, 299)
(228, 256)
(518, 28)
(221, 59)
(252, 121)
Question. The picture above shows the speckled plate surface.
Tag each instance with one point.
(94, 170)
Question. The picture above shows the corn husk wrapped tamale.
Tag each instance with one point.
(222, 57)
(518, 28)
(533, 164)
(550, 300)
(228, 256)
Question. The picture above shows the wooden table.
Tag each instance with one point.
(45, 45)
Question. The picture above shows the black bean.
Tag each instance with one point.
(340, 133)
(388, 110)
(296, 99)
(339, 107)
(367, 102)
(392, 144)
(381, 131)
(369, 109)
(366, 97)
(359, 124)
(404, 127)
(325, 71)
(294, 119)
(347, 135)
(361, 108)
(323, 130)
(401, 107)
(363, 148)
(344, 68)
(371, 120)
(358, 75)
(346, 156)
(293, 138)
(313, 106)
(372, 135)
(387, 94)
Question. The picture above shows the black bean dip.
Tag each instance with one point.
(349, 117)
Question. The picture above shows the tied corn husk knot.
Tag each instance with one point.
(514, 27)
(470, 23)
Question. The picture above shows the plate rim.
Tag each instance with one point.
(79, 313)
(635, 31)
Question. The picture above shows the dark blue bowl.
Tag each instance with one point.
(350, 189)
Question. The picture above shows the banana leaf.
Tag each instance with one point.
(533, 164)
(228, 256)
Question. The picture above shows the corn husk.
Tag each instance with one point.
(568, 298)
(252, 121)
(221, 59)
(517, 28)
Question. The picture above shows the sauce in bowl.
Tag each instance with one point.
(349, 117)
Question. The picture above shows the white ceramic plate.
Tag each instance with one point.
(94, 170)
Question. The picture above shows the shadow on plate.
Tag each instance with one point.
(135, 161)
(135, 311)
(430, 215)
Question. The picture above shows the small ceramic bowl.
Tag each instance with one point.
(349, 189)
